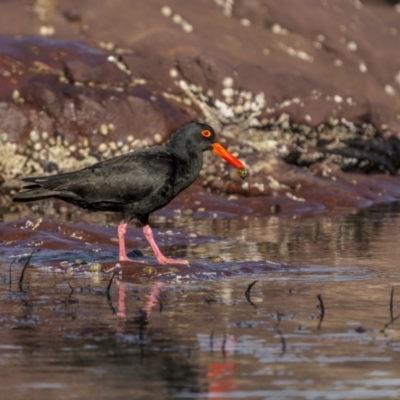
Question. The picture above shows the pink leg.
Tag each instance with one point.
(121, 238)
(161, 259)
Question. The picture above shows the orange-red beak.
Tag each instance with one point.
(229, 157)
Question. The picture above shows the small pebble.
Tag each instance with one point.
(243, 173)
(149, 271)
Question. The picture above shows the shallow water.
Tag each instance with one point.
(191, 332)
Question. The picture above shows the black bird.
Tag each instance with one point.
(137, 183)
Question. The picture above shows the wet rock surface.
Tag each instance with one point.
(303, 94)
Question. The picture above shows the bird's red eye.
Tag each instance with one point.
(206, 133)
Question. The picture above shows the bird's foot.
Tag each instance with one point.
(165, 260)
(135, 253)
(126, 258)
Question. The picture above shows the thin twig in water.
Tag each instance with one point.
(392, 319)
(391, 304)
(247, 293)
(278, 317)
(212, 341)
(109, 301)
(67, 301)
(23, 271)
(322, 313)
(70, 286)
(111, 281)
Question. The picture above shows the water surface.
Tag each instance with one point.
(191, 332)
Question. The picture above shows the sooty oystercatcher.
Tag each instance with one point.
(137, 183)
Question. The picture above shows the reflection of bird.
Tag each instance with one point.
(134, 184)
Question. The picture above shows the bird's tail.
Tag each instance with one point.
(35, 192)
(39, 188)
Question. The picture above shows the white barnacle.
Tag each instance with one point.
(351, 46)
(187, 27)
(177, 19)
(363, 67)
(227, 92)
(337, 99)
(166, 11)
(227, 82)
(173, 73)
(34, 135)
(104, 129)
(389, 90)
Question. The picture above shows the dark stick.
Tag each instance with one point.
(70, 293)
(212, 341)
(283, 341)
(70, 286)
(108, 293)
(278, 317)
(322, 308)
(23, 271)
(391, 304)
(392, 319)
(110, 283)
(247, 293)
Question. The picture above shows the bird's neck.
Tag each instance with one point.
(188, 166)
(186, 155)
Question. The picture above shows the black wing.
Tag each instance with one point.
(120, 180)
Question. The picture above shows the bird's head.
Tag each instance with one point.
(198, 136)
